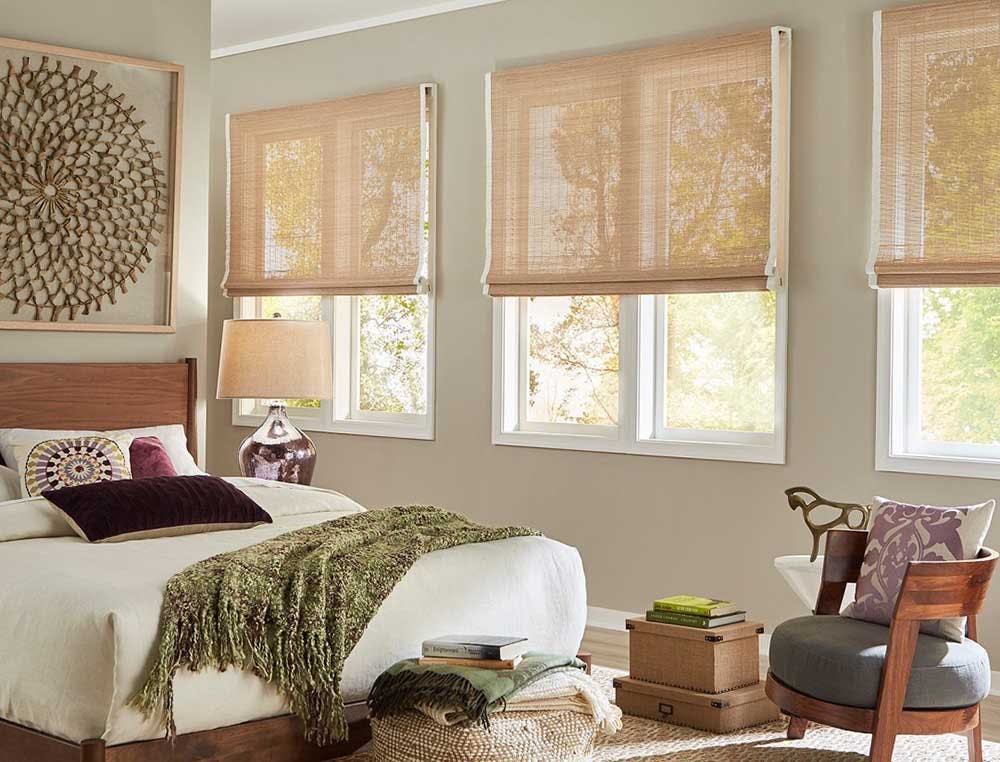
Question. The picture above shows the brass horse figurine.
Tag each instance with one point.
(798, 497)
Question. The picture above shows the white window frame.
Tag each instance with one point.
(898, 444)
(341, 415)
(640, 382)
(640, 393)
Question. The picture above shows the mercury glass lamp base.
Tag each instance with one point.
(278, 451)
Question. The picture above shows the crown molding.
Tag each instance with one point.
(433, 9)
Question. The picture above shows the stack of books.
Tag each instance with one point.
(481, 651)
(691, 611)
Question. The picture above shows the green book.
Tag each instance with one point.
(691, 604)
(693, 620)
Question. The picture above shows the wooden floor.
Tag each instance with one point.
(610, 649)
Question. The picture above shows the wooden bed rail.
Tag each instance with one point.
(276, 738)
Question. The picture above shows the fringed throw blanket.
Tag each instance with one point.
(472, 692)
(291, 609)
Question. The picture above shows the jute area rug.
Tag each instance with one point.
(651, 741)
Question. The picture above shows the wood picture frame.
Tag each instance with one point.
(165, 226)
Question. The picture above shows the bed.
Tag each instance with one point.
(78, 622)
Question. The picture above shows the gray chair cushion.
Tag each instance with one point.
(839, 660)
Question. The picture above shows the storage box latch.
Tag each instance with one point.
(666, 709)
(718, 705)
(713, 638)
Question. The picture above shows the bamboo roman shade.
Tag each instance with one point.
(936, 140)
(651, 171)
(330, 198)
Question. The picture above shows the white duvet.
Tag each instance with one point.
(78, 621)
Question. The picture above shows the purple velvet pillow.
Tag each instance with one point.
(149, 458)
(901, 533)
(158, 506)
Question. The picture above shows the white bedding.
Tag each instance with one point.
(78, 622)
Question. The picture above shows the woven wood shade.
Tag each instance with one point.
(329, 198)
(936, 215)
(651, 171)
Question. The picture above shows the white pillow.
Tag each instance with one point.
(174, 442)
(46, 461)
(10, 485)
(172, 436)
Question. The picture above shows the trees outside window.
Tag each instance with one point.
(381, 347)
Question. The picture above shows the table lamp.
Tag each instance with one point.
(276, 360)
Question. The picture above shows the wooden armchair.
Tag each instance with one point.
(931, 590)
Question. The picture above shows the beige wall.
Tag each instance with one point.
(177, 31)
(645, 526)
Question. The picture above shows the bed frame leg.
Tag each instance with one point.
(92, 750)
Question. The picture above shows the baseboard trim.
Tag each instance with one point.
(608, 619)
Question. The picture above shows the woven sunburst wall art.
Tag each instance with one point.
(88, 145)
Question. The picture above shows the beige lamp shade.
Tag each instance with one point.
(275, 360)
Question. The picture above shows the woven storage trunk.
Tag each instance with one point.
(512, 737)
(718, 713)
(707, 661)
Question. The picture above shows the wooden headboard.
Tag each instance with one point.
(100, 396)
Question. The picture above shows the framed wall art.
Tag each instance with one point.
(89, 161)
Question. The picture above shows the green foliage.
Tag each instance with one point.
(962, 167)
(392, 352)
(960, 347)
(960, 365)
(573, 362)
(391, 169)
(292, 195)
(587, 146)
(720, 167)
(720, 351)
(720, 361)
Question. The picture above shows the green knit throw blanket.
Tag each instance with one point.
(475, 692)
(291, 609)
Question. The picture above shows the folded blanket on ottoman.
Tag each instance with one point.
(558, 690)
(453, 695)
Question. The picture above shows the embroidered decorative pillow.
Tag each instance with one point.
(46, 464)
(149, 458)
(901, 533)
(159, 506)
(172, 436)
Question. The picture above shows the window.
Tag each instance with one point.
(685, 375)
(636, 250)
(936, 238)
(331, 217)
(939, 385)
(382, 363)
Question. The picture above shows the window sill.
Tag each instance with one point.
(392, 429)
(939, 465)
(701, 450)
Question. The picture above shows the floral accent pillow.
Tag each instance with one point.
(46, 464)
(901, 533)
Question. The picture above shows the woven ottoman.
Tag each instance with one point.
(512, 737)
